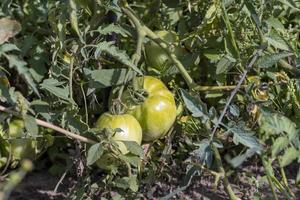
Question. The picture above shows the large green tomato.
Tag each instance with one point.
(131, 131)
(156, 57)
(157, 113)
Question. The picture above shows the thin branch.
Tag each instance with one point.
(53, 127)
(233, 93)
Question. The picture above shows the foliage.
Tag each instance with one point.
(60, 60)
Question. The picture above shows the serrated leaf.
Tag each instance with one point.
(132, 159)
(94, 153)
(107, 77)
(115, 52)
(21, 67)
(274, 124)
(134, 148)
(113, 28)
(204, 153)
(267, 61)
(225, 64)
(279, 144)
(127, 182)
(31, 126)
(238, 160)
(53, 86)
(275, 23)
(245, 137)
(289, 156)
(197, 108)
(8, 47)
(277, 41)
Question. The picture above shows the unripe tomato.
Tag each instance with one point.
(20, 147)
(156, 57)
(131, 129)
(157, 113)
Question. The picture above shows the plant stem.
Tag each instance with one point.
(264, 162)
(53, 127)
(227, 186)
(285, 182)
(144, 29)
(216, 88)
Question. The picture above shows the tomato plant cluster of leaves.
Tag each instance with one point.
(62, 58)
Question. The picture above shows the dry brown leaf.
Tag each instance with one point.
(8, 28)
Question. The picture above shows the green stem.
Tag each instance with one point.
(216, 88)
(285, 182)
(264, 162)
(144, 29)
(171, 55)
(221, 169)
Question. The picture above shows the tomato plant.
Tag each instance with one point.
(231, 67)
(157, 57)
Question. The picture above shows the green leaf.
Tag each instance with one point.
(267, 61)
(195, 106)
(94, 153)
(52, 86)
(277, 41)
(22, 69)
(8, 47)
(225, 64)
(279, 144)
(289, 156)
(107, 77)
(245, 137)
(132, 159)
(238, 160)
(275, 23)
(118, 54)
(134, 148)
(275, 124)
(113, 28)
(127, 182)
(31, 126)
(204, 153)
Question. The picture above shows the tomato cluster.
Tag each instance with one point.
(147, 121)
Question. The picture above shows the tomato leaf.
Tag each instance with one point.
(270, 60)
(195, 106)
(118, 54)
(94, 153)
(289, 156)
(245, 137)
(134, 148)
(31, 126)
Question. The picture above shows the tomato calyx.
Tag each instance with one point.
(138, 96)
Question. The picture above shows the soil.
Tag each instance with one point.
(40, 185)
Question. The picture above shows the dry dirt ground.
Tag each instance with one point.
(40, 185)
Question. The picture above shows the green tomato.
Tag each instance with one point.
(20, 147)
(131, 129)
(157, 113)
(157, 57)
